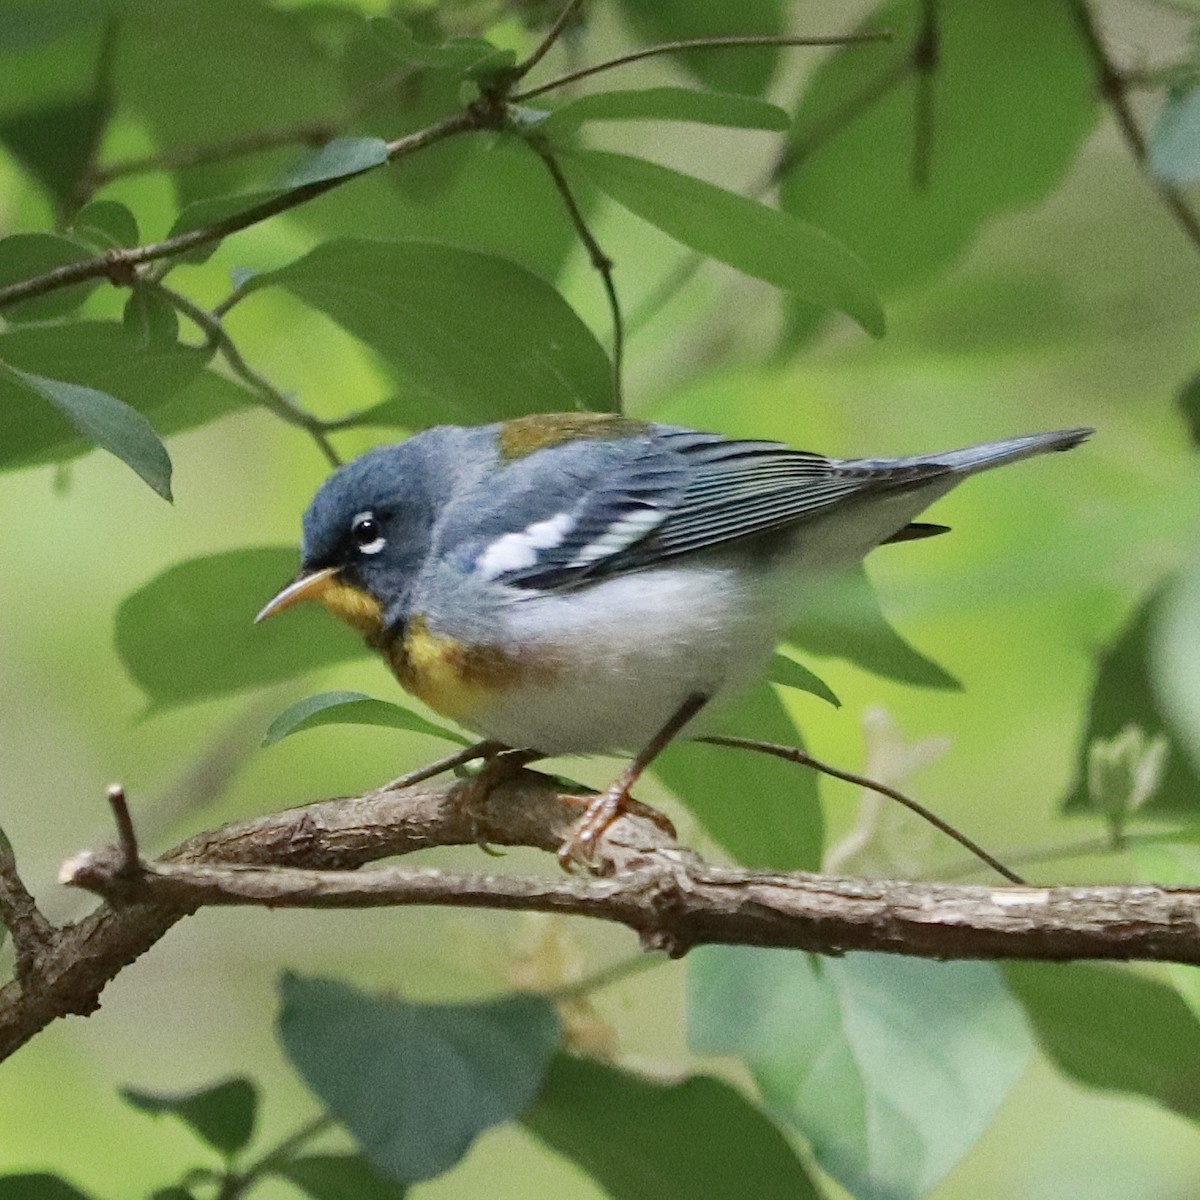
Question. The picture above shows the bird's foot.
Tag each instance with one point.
(599, 813)
(500, 765)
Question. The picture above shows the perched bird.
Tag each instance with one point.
(587, 583)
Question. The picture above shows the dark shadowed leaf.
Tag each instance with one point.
(787, 672)
(890, 1067)
(38, 1186)
(351, 708)
(342, 156)
(461, 55)
(1123, 696)
(26, 255)
(223, 1115)
(1110, 1028)
(667, 104)
(189, 634)
(105, 225)
(168, 384)
(639, 1137)
(740, 70)
(842, 619)
(55, 142)
(416, 1083)
(1175, 142)
(761, 241)
(475, 336)
(338, 1177)
(1189, 406)
(110, 423)
(763, 810)
(1010, 74)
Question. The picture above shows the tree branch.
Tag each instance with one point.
(118, 265)
(308, 857)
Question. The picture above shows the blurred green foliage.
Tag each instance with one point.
(961, 177)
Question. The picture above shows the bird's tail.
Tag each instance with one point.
(970, 459)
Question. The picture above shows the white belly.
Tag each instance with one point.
(630, 650)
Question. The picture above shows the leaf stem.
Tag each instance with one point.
(607, 976)
(555, 31)
(236, 1185)
(601, 261)
(270, 397)
(710, 43)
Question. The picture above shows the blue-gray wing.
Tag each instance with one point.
(672, 492)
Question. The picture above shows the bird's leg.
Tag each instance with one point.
(603, 809)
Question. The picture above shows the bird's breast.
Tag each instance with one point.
(457, 679)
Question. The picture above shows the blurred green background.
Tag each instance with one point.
(1078, 309)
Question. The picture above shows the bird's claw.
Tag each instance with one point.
(599, 815)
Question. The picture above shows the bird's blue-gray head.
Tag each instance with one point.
(368, 528)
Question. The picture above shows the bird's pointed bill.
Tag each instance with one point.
(308, 585)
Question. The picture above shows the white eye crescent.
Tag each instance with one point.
(367, 533)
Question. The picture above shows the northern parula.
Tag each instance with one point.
(587, 583)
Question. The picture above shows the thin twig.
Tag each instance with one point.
(925, 60)
(602, 263)
(199, 154)
(796, 755)
(712, 43)
(440, 766)
(841, 117)
(131, 859)
(238, 1184)
(606, 977)
(269, 395)
(117, 265)
(1112, 87)
(552, 35)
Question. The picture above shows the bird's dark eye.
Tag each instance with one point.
(367, 533)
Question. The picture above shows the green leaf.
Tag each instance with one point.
(172, 53)
(150, 319)
(1175, 663)
(637, 1137)
(101, 418)
(1009, 74)
(222, 1115)
(476, 337)
(27, 255)
(54, 142)
(38, 1185)
(189, 635)
(1110, 1028)
(106, 225)
(338, 1177)
(415, 1084)
(667, 104)
(890, 1067)
(1125, 695)
(166, 383)
(842, 619)
(352, 708)
(787, 672)
(763, 811)
(1175, 142)
(458, 54)
(761, 241)
(340, 157)
(736, 70)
